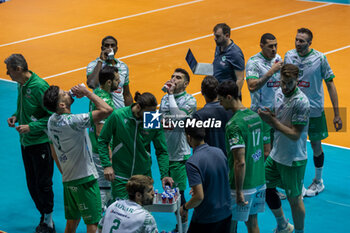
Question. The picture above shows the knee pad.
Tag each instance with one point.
(272, 199)
(319, 160)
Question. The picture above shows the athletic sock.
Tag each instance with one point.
(318, 173)
(184, 227)
(281, 222)
(48, 220)
(299, 231)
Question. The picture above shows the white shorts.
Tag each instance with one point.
(256, 203)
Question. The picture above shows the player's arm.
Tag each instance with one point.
(334, 98)
(293, 132)
(103, 147)
(255, 84)
(196, 199)
(103, 110)
(54, 156)
(239, 169)
(127, 95)
(240, 78)
(92, 78)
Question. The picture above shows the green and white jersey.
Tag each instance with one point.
(256, 68)
(178, 147)
(127, 216)
(106, 97)
(72, 145)
(313, 68)
(291, 110)
(117, 95)
(245, 129)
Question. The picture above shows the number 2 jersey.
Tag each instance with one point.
(73, 148)
(127, 216)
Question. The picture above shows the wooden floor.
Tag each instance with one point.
(59, 38)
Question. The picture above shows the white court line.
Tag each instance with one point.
(341, 147)
(199, 38)
(336, 50)
(342, 4)
(337, 203)
(103, 22)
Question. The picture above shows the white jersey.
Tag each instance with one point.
(256, 68)
(175, 137)
(123, 70)
(292, 110)
(72, 145)
(128, 217)
(313, 68)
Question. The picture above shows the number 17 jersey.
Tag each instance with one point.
(244, 130)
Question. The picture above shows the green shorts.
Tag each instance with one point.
(82, 200)
(267, 133)
(318, 128)
(119, 189)
(177, 170)
(291, 179)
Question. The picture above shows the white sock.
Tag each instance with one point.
(281, 222)
(48, 219)
(318, 173)
(184, 227)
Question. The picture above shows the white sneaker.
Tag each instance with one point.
(315, 188)
(303, 191)
(289, 229)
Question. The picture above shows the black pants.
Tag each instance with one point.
(38, 164)
(222, 226)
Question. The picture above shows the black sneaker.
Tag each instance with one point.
(46, 229)
(38, 228)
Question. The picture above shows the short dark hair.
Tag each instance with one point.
(290, 71)
(50, 99)
(109, 37)
(183, 71)
(228, 87)
(225, 28)
(107, 73)
(307, 32)
(195, 132)
(209, 87)
(265, 37)
(138, 183)
(17, 60)
(145, 100)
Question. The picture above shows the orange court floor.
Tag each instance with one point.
(59, 38)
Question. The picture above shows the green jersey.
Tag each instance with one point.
(30, 110)
(244, 130)
(131, 145)
(106, 97)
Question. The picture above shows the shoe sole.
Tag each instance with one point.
(316, 193)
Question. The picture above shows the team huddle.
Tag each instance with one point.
(104, 155)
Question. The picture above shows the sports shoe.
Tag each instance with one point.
(315, 188)
(46, 229)
(38, 228)
(303, 192)
(288, 229)
(281, 195)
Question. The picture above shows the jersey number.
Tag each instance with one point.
(256, 137)
(116, 226)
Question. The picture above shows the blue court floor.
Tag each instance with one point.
(325, 213)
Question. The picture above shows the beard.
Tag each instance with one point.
(147, 201)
